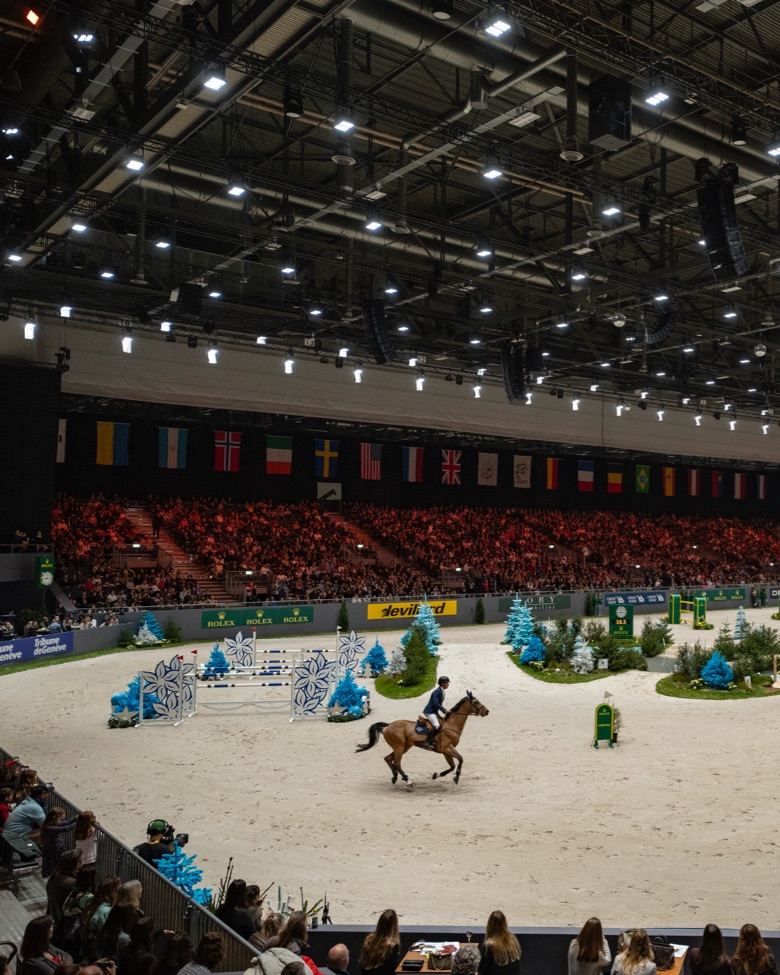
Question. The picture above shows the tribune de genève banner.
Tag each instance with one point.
(386, 611)
(225, 619)
(35, 647)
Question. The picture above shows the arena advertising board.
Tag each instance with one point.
(732, 594)
(226, 619)
(537, 600)
(635, 599)
(35, 647)
(385, 611)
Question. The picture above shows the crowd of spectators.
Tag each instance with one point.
(300, 553)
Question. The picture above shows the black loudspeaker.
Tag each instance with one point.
(610, 113)
(513, 368)
(190, 299)
(720, 229)
(376, 331)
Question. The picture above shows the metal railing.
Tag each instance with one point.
(169, 906)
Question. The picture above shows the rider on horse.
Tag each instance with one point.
(432, 709)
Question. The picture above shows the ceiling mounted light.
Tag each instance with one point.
(620, 406)
(660, 414)
(315, 310)
(261, 340)
(342, 120)
(733, 424)
(575, 403)
(765, 428)
(688, 348)
(66, 311)
(32, 17)
(15, 257)
(236, 188)
(359, 372)
(484, 249)
(83, 35)
(412, 361)
(420, 381)
(579, 274)
(162, 243)
(738, 132)
(611, 207)
(773, 148)
(78, 226)
(127, 341)
(441, 9)
(492, 169)
(391, 287)
(697, 419)
(657, 94)
(166, 326)
(108, 274)
(289, 362)
(403, 326)
(373, 221)
(759, 350)
(661, 297)
(293, 103)
(215, 79)
(496, 22)
(730, 312)
(475, 339)
(343, 352)
(29, 328)
(212, 354)
(215, 294)
(134, 162)
(561, 321)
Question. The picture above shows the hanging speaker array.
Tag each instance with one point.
(375, 330)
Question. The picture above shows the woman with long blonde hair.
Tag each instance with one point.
(381, 949)
(500, 951)
(589, 951)
(637, 958)
(752, 956)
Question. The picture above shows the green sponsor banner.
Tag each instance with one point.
(736, 594)
(225, 619)
(44, 571)
(536, 601)
(621, 621)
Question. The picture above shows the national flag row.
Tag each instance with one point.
(692, 482)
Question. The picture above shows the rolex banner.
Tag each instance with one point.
(225, 619)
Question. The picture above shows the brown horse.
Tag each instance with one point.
(401, 736)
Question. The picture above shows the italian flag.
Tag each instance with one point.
(278, 455)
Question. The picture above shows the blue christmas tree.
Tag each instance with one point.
(217, 664)
(741, 627)
(516, 624)
(716, 672)
(376, 659)
(349, 696)
(129, 701)
(427, 620)
(534, 651)
(180, 870)
(150, 622)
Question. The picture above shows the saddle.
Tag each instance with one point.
(423, 726)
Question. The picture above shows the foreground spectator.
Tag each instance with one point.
(96, 912)
(26, 819)
(381, 949)
(500, 951)
(753, 955)
(293, 934)
(208, 955)
(637, 957)
(233, 911)
(37, 954)
(589, 951)
(137, 958)
(465, 961)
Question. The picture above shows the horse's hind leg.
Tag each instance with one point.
(399, 753)
(448, 755)
(390, 759)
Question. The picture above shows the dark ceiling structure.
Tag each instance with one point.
(579, 192)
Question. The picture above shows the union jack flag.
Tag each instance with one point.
(450, 466)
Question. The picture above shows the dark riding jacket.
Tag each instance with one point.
(436, 703)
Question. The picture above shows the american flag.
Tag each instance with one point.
(371, 461)
(450, 466)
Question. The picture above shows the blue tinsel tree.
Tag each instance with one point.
(348, 696)
(430, 625)
(514, 622)
(180, 870)
(130, 700)
(534, 651)
(376, 659)
(716, 672)
(217, 664)
(150, 622)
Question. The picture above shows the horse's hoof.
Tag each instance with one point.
(410, 785)
(435, 775)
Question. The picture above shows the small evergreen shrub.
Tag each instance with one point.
(172, 632)
(725, 643)
(126, 637)
(691, 659)
(343, 619)
(717, 673)
(628, 658)
(479, 611)
(533, 652)
(653, 640)
(417, 655)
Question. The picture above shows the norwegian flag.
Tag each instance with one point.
(450, 466)
(227, 451)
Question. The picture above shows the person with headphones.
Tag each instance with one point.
(433, 708)
(157, 843)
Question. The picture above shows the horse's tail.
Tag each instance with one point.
(373, 736)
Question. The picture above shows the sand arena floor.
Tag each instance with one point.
(677, 826)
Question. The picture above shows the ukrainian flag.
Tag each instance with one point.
(113, 444)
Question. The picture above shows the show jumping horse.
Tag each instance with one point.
(401, 736)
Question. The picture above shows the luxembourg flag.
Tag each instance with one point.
(412, 461)
(740, 492)
(173, 448)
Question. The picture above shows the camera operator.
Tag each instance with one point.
(159, 841)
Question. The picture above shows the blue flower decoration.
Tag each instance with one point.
(311, 680)
(163, 680)
(350, 648)
(242, 648)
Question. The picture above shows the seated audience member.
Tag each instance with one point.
(52, 842)
(115, 934)
(37, 955)
(637, 957)
(709, 957)
(62, 881)
(26, 781)
(27, 817)
(96, 912)
(137, 958)
(85, 836)
(338, 962)
(465, 960)
(154, 848)
(68, 931)
(293, 935)
(381, 949)
(274, 961)
(208, 955)
(5, 807)
(233, 911)
(500, 951)
(294, 968)
(254, 905)
(752, 955)
(176, 953)
(589, 951)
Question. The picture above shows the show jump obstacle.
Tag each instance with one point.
(311, 676)
(687, 611)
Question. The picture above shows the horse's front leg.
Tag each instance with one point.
(448, 755)
(460, 764)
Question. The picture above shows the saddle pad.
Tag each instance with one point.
(420, 728)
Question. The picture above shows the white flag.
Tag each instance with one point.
(522, 471)
(487, 472)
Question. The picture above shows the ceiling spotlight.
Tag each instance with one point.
(575, 403)
(476, 338)
(660, 414)
(656, 95)
(108, 274)
(765, 428)
(293, 104)
(236, 188)
(697, 419)
(127, 341)
(579, 274)
(29, 329)
(262, 340)
(162, 243)
(215, 294)
(403, 326)
(484, 249)
(373, 221)
(420, 381)
(618, 319)
(441, 9)
(212, 354)
(689, 348)
(773, 148)
(166, 326)
(343, 121)
(391, 287)
(134, 162)
(496, 22)
(289, 362)
(66, 311)
(32, 17)
(83, 35)
(477, 390)
(733, 424)
(561, 321)
(492, 169)
(78, 226)
(315, 310)
(738, 132)
(611, 207)
(661, 297)
(215, 79)
(759, 350)
(359, 372)
(287, 268)
(730, 312)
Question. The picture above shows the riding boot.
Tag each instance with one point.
(430, 741)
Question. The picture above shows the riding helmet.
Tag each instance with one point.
(443, 680)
